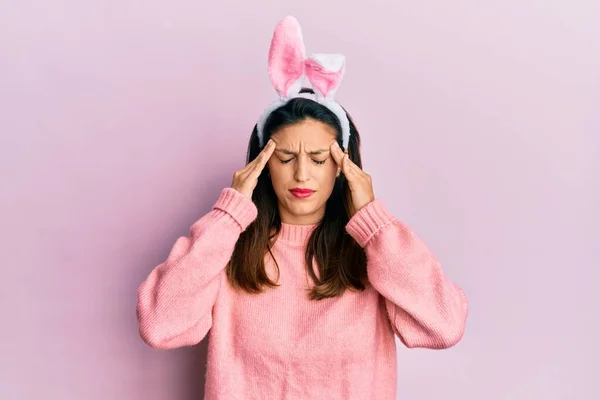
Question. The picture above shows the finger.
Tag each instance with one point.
(350, 164)
(336, 153)
(248, 168)
(348, 167)
(264, 157)
(341, 155)
(355, 174)
(352, 168)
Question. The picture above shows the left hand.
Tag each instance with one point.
(361, 185)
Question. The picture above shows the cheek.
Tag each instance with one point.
(278, 173)
(327, 174)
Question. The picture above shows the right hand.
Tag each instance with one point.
(246, 179)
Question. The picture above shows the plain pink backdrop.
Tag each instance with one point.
(121, 121)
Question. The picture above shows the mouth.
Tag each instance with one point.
(301, 193)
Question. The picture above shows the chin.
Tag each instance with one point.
(302, 208)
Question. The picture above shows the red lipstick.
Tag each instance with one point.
(301, 193)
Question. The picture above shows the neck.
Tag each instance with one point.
(297, 229)
(307, 219)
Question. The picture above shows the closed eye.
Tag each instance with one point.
(318, 162)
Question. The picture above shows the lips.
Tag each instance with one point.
(301, 193)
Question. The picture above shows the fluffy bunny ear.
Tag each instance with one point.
(325, 73)
(286, 57)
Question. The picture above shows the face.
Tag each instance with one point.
(301, 160)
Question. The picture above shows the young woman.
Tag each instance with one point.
(302, 276)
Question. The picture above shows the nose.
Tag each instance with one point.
(302, 172)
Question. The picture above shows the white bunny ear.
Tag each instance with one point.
(288, 69)
(325, 73)
(286, 57)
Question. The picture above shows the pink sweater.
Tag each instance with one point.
(280, 344)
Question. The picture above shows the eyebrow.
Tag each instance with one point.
(314, 152)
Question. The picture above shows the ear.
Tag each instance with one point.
(325, 73)
(286, 57)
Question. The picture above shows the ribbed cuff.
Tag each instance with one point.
(241, 208)
(368, 221)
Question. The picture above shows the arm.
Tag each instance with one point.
(425, 308)
(174, 304)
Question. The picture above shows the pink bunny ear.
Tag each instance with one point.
(325, 73)
(286, 57)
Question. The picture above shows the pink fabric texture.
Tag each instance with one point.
(288, 63)
(281, 345)
(289, 71)
(324, 81)
(286, 56)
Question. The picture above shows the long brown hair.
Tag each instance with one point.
(341, 262)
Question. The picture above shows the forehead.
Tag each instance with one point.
(308, 133)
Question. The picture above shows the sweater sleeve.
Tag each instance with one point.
(425, 308)
(174, 303)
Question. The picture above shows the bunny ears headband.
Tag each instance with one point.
(289, 69)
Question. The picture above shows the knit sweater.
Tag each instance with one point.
(280, 344)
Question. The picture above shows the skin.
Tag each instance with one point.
(302, 159)
(305, 155)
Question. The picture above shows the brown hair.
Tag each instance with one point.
(341, 262)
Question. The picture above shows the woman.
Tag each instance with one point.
(301, 275)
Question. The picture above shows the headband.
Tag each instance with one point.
(289, 71)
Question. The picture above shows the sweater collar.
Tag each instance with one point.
(296, 234)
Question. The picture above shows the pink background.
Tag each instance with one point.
(121, 121)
